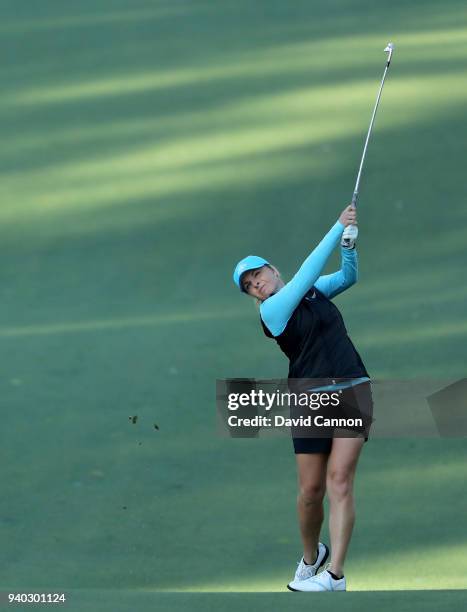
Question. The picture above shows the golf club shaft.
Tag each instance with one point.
(355, 193)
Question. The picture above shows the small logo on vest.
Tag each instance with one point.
(312, 297)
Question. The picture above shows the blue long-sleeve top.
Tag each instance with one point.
(277, 309)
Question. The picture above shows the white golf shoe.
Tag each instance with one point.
(305, 571)
(320, 582)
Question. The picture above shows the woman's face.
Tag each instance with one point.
(262, 282)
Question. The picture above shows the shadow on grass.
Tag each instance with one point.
(282, 64)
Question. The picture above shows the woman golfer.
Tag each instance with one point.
(309, 329)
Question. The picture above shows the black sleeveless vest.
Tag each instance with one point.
(316, 342)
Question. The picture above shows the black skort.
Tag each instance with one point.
(354, 400)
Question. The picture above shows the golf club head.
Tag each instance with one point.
(389, 49)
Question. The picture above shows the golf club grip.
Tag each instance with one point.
(354, 199)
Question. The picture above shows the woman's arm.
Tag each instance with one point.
(333, 284)
(277, 310)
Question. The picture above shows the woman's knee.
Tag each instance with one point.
(339, 483)
(312, 492)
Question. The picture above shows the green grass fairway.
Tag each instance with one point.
(402, 601)
(147, 146)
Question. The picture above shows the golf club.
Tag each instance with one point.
(389, 50)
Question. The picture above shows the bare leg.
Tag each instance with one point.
(339, 482)
(312, 486)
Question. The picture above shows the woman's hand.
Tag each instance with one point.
(349, 216)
